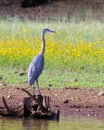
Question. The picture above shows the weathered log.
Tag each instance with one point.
(36, 106)
(17, 111)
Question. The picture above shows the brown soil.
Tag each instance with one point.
(70, 101)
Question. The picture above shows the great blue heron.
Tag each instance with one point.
(37, 64)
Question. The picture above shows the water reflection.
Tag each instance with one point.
(28, 124)
(24, 124)
(65, 123)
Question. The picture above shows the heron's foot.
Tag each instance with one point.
(33, 93)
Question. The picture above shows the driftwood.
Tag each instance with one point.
(36, 106)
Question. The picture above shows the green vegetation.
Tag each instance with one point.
(74, 55)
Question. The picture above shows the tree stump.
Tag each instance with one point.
(36, 106)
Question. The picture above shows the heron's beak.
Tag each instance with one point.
(52, 31)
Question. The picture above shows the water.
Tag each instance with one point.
(65, 123)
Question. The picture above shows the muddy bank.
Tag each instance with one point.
(70, 101)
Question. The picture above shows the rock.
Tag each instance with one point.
(21, 74)
(74, 80)
(9, 97)
(101, 93)
(50, 85)
(1, 77)
(66, 101)
(2, 84)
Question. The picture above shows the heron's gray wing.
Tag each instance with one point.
(35, 68)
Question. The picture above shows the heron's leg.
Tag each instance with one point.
(38, 87)
(33, 90)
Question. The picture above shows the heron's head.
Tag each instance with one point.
(47, 30)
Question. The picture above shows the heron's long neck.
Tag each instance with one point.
(43, 44)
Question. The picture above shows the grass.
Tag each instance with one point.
(53, 78)
(76, 51)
